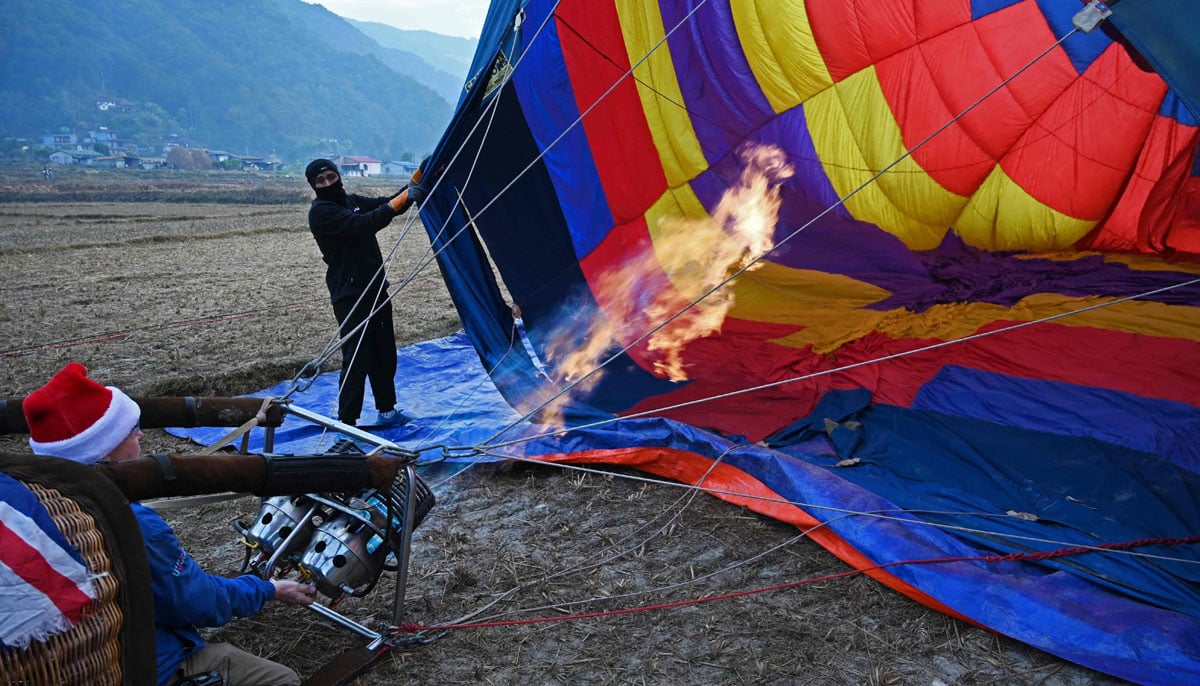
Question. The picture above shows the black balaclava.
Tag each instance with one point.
(334, 192)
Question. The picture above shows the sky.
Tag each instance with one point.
(450, 17)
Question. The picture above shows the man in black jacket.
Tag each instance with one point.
(345, 225)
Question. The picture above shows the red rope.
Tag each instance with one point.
(1010, 557)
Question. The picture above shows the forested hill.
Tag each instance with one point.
(241, 75)
(403, 51)
(452, 53)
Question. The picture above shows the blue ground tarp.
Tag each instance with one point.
(1128, 615)
(439, 383)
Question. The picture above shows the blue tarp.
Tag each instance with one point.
(1147, 632)
(439, 383)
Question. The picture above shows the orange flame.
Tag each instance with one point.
(696, 257)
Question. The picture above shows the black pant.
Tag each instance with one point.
(369, 354)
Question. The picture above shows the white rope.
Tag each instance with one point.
(335, 342)
(875, 514)
(689, 498)
(432, 255)
(751, 263)
(836, 370)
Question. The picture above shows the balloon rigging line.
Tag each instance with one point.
(689, 497)
(844, 512)
(494, 105)
(1011, 557)
(840, 202)
(334, 343)
(669, 587)
(314, 365)
(847, 367)
(658, 590)
(806, 533)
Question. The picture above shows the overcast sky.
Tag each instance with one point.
(450, 17)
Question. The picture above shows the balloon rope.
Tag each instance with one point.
(626, 551)
(899, 516)
(751, 263)
(989, 559)
(431, 254)
(336, 341)
(854, 365)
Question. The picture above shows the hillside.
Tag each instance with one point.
(398, 53)
(454, 54)
(242, 75)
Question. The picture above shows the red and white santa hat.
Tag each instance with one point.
(77, 418)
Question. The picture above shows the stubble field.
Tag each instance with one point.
(209, 284)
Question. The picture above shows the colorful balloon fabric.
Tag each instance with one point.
(973, 305)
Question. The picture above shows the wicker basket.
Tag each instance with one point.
(105, 647)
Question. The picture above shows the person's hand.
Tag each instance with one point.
(404, 199)
(294, 592)
(415, 192)
(401, 201)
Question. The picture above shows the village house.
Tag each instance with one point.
(359, 166)
(60, 140)
(398, 168)
(271, 163)
(73, 156)
(108, 138)
(116, 105)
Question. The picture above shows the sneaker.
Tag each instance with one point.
(390, 418)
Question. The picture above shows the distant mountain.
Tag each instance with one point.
(453, 53)
(248, 76)
(402, 55)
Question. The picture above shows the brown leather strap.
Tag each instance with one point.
(203, 474)
(345, 666)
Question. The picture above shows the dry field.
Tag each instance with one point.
(209, 284)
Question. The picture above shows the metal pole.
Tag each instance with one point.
(351, 431)
(346, 622)
(268, 570)
(410, 483)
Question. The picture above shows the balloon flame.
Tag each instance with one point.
(697, 257)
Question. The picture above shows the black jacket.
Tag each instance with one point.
(346, 236)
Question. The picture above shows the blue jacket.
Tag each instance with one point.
(186, 597)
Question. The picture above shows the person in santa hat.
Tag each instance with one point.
(74, 417)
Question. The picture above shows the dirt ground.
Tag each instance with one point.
(209, 284)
